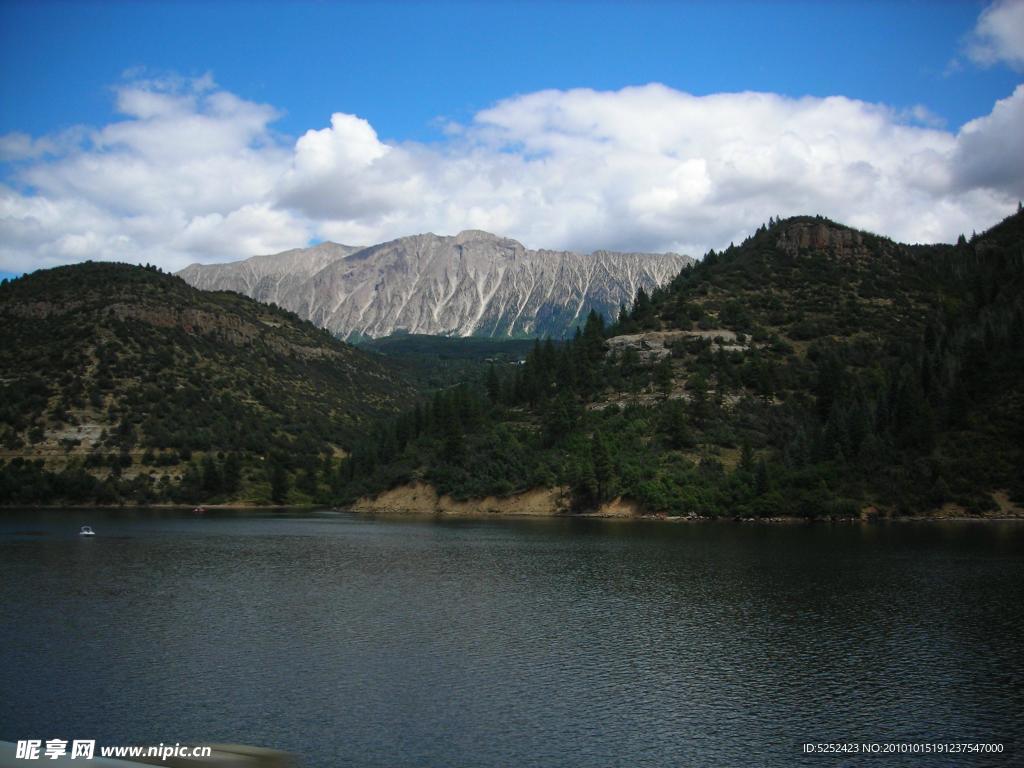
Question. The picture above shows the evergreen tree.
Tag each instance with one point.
(582, 482)
(700, 406)
(278, 477)
(914, 422)
(762, 482)
(232, 473)
(493, 385)
(566, 372)
(560, 420)
(454, 448)
(593, 337)
(190, 488)
(674, 425)
(212, 482)
(663, 376)
(306, 482)
(746, 464)
(829, 383)
(643, 310)
(603, 468)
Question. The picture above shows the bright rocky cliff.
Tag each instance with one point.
(474, 283)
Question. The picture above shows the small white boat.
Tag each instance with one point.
(86, 531)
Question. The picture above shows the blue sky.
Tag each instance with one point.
(445, 122)
(403, 65)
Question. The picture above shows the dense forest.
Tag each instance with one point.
(812, 370)
(435, 362)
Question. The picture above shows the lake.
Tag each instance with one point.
(359, 642)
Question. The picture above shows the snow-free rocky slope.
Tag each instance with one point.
(474, 283)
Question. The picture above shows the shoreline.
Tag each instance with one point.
(168, 507)
(419, 499)
(422, 502)
(397, 514)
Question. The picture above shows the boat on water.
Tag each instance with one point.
(86, 531)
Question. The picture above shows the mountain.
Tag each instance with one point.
(813, 370)
(269, 278)
(124, 383)
(472, 284)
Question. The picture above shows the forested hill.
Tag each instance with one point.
(121, 383)
(812, 370)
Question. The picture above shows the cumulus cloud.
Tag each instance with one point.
(194, 173)
(653, 168)
(998, 35)
(185, 160)
(990, 149)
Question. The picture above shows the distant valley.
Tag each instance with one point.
(472, 284)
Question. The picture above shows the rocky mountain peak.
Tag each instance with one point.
(477, 235)
(475, 283)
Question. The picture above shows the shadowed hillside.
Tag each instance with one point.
(123, 383)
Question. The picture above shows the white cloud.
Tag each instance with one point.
(17, 146)
(998, 35)
(193, 173)
(21, 146)
(243, 232)
(990, 149)
(149, 188)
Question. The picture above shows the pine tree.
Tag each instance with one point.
(454, 447)
(829, 383)
(278, 482)
(643, 309)
(675, 426)
(603, 467)
(663, 376)
(746, 458)
(418, 420)
(232, 473)
(212, 482)
(700, 407)
(582, 482)
(493, 385)
(623, 323)
(565, 370)
(762, 482)
(560, 419)
(190, 486)
(306, 482)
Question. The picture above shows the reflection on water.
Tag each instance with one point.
(355, 642)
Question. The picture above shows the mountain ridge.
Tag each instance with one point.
(471, 283)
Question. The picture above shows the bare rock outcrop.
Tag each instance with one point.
(474, 283)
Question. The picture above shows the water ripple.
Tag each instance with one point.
(564, 643)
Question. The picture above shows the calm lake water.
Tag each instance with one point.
(357, 642)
